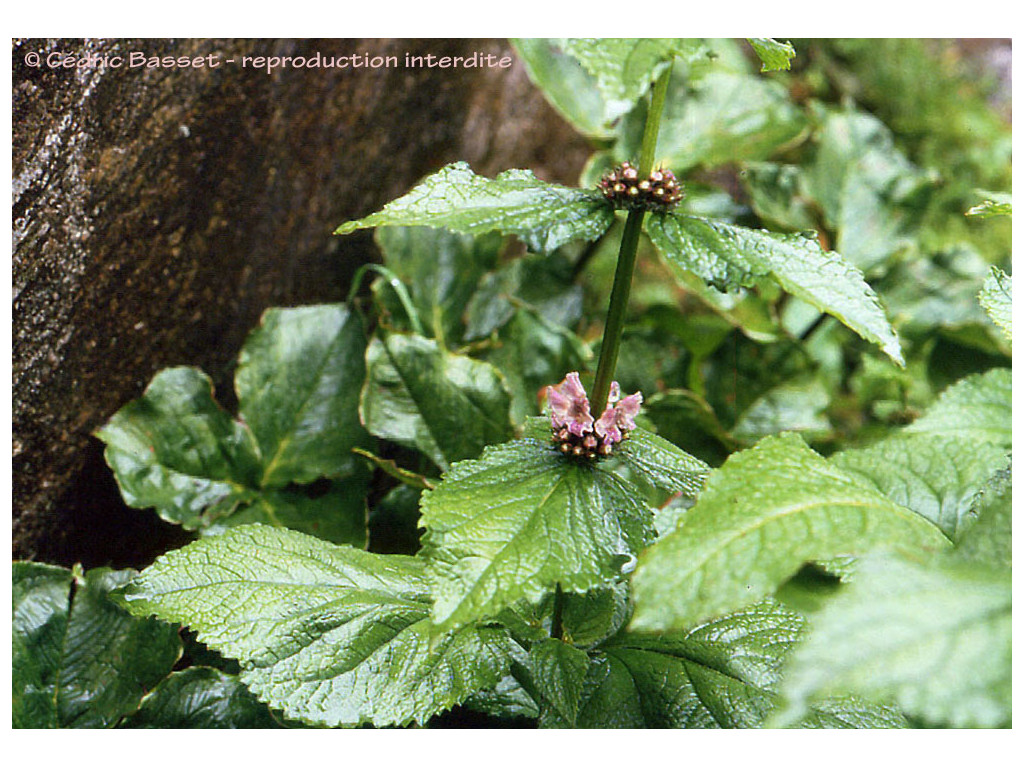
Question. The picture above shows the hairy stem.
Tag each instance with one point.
(619, 300)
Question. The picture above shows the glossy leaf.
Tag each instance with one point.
(328, 634)
(976, 408)
(78, 660)
(936, 640)
(728, 255)
(298, 382)
(447, 406)
(521, 519)
(542, 215)
(623, 68)
(557, 671)
(721, 674)
(570, 88)
(723, 117)
(773, 54)
(997, 299)
(175, 449)
(442, 270)
(934, 475)
(201, 697)
(766, 512)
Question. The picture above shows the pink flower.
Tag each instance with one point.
(574, 426)
(570, 407)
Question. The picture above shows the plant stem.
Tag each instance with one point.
(556, 613)
(619, 301)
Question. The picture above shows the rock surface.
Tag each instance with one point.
(157, 212)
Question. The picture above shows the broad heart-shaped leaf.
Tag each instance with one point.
(766, 512)
(442, 269)
(937, 476)
(298, 382)
(448, 406)
(997, 299)
(298, 385)
(78, 660)
(729, 255)
(976, 408)
(201, 697)
(524, 517)
(933, 638)
(175, 449)
(773, 54)
(542, 215)
(721, 674)
(328, 634)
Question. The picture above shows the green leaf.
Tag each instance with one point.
(936, 640)
(570, 88)
(721, 118)
(687, 420)
(447, 406)
(79, 661)
(442, 269)
(328, 634)
(765, 513)
(334, 511)
(557, 671)
(201, 697)
(532, 351)
(523, 518)
(653, 460)
(797, 405)
(624, 67)
(542, 215)
(940, 292)
(175, 449)
(298, 382)
(934, 475)
(998, 204)
(728, 255)
(860, 180)
(997, 299)
(543, 284)
(721, 674)
(773, 54)
(987, 536)
(775, 195)
(976, 408)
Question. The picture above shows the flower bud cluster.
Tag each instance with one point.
(625, 189)
(576, 432)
